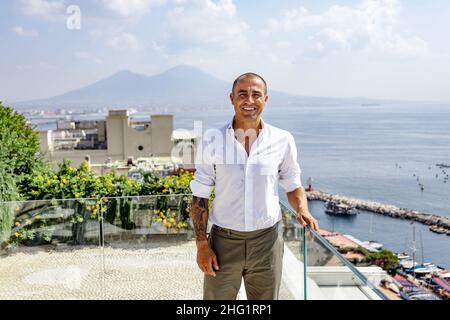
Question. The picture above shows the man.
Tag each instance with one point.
(244, 161)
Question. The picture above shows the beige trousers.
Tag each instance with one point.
(256, 256)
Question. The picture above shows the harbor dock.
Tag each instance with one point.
(442, 224)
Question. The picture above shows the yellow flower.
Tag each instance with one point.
(165, 191)
(17, 224)
(77, 195)
(38, 217)
(172, 220)
(159, 220)
(17, 234)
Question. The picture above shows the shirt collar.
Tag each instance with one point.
(230, 124)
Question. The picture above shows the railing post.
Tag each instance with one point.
(305, 262)
(100, 217)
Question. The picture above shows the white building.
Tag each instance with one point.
(116, 139)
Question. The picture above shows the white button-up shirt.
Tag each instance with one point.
(246, 185)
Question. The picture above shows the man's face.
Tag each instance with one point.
(249, 99)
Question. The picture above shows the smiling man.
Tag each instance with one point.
(245, 161)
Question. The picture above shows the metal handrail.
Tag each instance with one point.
(99, 198)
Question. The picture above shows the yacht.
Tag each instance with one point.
(402, 256)
(373, 244)
(340, 209)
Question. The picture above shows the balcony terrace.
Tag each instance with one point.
(144, 248)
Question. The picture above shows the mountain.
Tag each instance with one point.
(181, 86)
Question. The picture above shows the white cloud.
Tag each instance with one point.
(42, 8)
(372, 25)
(20, 31)
(207, 23)
(128, 8)
(124, 41)
(84, 55)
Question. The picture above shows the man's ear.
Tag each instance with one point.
(267, 97)
(231, 97)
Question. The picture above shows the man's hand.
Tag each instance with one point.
(206, 259)
(306, 219)
(298, 201)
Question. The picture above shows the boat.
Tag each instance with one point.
(373, 244)
(442, 282)
(407, 264)
(423, 269)
(438, 229)
(419, 294)
(402, 256)
(394, 288)
(340, 209)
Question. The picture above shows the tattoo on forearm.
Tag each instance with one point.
(200, 217)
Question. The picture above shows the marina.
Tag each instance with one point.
(410, 281)
(438, 224)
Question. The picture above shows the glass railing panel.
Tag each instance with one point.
(149, 248)
(50, 250)
(373, 239)
(330, 275)
(333, 277)
(294, 282)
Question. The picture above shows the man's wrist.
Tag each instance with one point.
(202, 244)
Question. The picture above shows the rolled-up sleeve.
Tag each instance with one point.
(289, 168)
(204, 179)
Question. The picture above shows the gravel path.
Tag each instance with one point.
(156, 270)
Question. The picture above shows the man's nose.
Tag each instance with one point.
(250, 99)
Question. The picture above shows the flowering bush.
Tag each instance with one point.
(169, 219)
(91, 196)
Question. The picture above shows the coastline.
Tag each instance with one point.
(435, 221)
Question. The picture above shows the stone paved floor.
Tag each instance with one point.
(157, 270)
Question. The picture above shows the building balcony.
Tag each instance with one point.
(144, 248)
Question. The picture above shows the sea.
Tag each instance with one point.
(389, 153)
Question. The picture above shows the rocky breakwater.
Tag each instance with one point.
(438, 223)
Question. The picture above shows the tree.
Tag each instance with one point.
(384, 259)
(19, 155)
(19, 143)
(8, 192)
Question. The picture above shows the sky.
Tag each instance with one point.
(391, 49)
